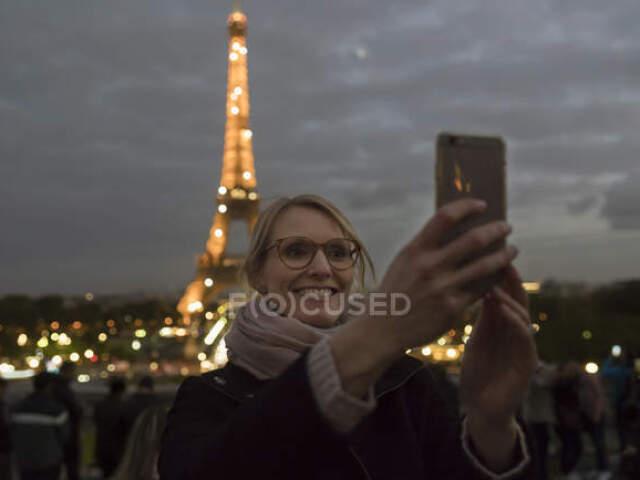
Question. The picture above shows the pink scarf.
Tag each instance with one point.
(265, 343)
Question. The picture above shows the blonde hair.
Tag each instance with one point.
(140, 457)
(262, 232)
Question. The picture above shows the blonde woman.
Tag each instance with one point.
(308, 394)
(140, 458)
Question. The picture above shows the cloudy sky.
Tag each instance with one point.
(112, 122)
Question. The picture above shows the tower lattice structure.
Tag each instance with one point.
(237, 198)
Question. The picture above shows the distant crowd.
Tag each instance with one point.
(40, 436)
(566, 401)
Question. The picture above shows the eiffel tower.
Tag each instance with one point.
(237, 198)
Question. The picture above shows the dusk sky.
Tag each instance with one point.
(112, 121)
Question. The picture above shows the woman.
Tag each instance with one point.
(140, 458)
(308, 395)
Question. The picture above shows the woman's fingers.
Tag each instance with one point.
(475, 240)
(446, 218)
(483, 266)
(513, 286)
(505, 298)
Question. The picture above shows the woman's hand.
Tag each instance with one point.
(500, 357)
(429, 273)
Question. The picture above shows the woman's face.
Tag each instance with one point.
(317, 291)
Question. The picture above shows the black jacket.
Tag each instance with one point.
(228, 424)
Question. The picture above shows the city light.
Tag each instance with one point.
(140, 333)
(616, 350)
(222, 190)
(74, 357)
(215, 331)
(208, 315)
(233, 56)
(6, 368)
(452, 353)
(235, 110)
(166, 331)
(222, 208)
(22, 340)
(102, 337)
(208, 282)
(43, 342)
(56, 360)
(88, 353)
(591, 367)
(195, 307)
(426, 351)
(586, 334)
(83, 378)
(55, 325)
(468, 329)
(33, 362)
(531, 287)
(135, 345)
(202, 357)
(441, 341)
(247, 134)
(246, 175)
(64, 339)
(89, 296)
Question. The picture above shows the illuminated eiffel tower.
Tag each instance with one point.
(237, 198)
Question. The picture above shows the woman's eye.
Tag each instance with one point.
(338, 252)
(296, 250)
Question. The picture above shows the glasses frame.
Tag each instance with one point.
(316, 247)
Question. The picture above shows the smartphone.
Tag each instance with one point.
(475, 167)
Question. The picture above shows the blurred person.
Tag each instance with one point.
(570, 420)
(580, 406)
(618, 374)
(593, 405)
(140, 458)
(109, 437)
(143, 398)
(311, 391)
(40, 431)
(66, 396)
(539, 413)
(5, 433)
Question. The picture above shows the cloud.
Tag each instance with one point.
(621, 204)
(112, 122)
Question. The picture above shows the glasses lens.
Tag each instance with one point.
(342, 253)
(296, 252)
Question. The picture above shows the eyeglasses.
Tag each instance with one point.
(298, 252)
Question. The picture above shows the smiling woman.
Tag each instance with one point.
(316, 390)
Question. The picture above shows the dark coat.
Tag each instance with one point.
(228, 424)
(40, 431)
(110, 438)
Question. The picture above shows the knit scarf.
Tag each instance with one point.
(265, 343)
